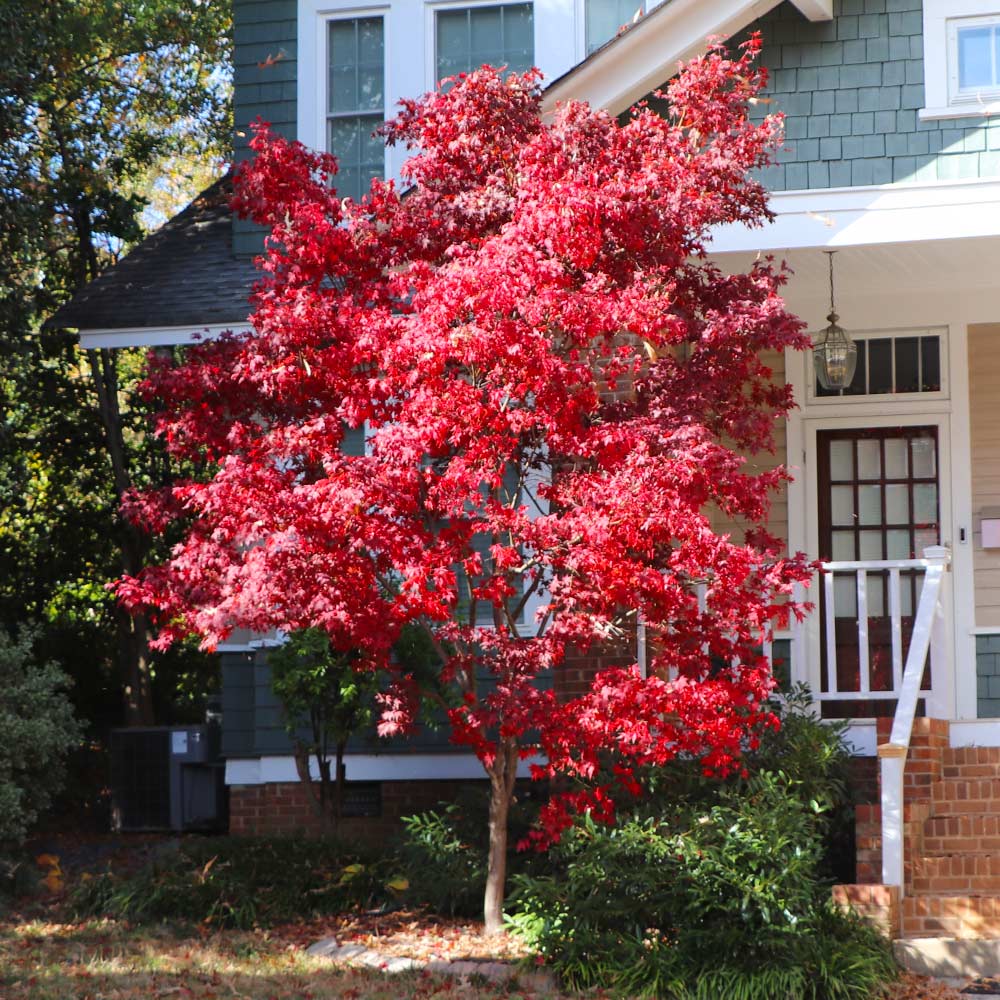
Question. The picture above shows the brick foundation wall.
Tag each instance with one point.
(287, 808)
(879, 904)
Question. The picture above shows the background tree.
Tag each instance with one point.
(109, 105)
(557, 387)
(326, 702)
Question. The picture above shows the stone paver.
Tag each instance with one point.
(496, 972)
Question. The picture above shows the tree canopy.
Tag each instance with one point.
(113, 112)
(557, 386)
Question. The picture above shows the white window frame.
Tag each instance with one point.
(313, 70)
(955, 94)
(942, 18)
(888, 398)
(430, 29)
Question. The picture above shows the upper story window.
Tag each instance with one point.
(356, 101)
(974, 51)
(501, 35)
(961, 50)
(605, 17)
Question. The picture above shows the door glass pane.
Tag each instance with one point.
(870, 544)
(897, 543)
(843, 546)
(924, 458)
(906, 596)
(870, 504)
(842, 504)
(875, 595)
(869, 460)
(845, 595)
(924, 503)
(922, 539)
(897, 505)
(897, 465)
(842, 460)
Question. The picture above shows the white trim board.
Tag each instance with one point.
(369, 767)
(161, 336)
(877, 214)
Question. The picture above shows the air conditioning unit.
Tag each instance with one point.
(167, 778)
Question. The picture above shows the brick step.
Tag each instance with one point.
(965, 795)
(956, 915)
(961, 833)
(975, 873)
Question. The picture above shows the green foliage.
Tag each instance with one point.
(38, 727)
(712, 889)
(325, 702)
(442, 852)
(107, 105)
(241, 882)
(443, 861)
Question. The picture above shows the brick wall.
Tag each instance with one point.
(878, 904)
(286, 808)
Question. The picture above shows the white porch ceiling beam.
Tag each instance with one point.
(816, 10)
(165, 336)
(646, 55)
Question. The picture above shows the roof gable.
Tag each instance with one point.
(639, 59)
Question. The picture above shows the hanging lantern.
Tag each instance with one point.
(835, 355)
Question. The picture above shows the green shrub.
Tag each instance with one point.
(716, 901)
(242, 882)
(38, 730)
(445, 869)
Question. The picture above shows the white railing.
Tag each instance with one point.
(929, 635)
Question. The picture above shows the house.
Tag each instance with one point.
(892, 160)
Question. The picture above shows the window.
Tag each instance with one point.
(893, 363)
(503, 35)
(961, 50)
(974, 58)
(356, 101)
(605, 17)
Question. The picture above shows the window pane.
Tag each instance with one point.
(871, 544)
(907, 364)
(924, 458)
(930, 356)
(499, 35)
(842, 460)
(897, 543)
(859, 384)
(897, 505)
(975, 61)
(870, 504)
(925, 503)
(845, 596)
(875, 594)
(842, 504)
(843, 546)
(924, 539)
(605, 17)
(880, 366)
(869, 460)
(897, 465)
(343, 88)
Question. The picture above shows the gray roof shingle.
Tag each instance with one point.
(184, 274)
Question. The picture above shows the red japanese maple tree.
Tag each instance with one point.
(557, 387)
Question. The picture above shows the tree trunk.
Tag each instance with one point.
(502, 776)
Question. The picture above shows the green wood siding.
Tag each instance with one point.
(850, 89)
(264, 85)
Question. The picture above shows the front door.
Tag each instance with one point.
(878, 499)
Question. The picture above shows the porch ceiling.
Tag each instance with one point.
(945, 265)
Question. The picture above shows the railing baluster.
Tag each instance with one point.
(864, 681)
(897, 629)
(831, 635)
